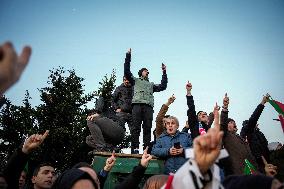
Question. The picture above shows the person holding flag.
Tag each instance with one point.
(256, 139)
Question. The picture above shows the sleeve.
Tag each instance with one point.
(14, 168)
(102, 176)
(224, 121)
(191, 116)
(159, 120)
(163, 85)
(127, 72)
(133, 179)
(245, 181)
(248, 128)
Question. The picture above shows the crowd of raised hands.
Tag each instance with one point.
(206, 147)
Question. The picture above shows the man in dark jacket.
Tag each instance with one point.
(236, 146)
(198, 123)
(121, 102)
(142, 102)
(107, 130)
(256, 139)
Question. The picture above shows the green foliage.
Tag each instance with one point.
(63, 112)
(16, 123)
(106, 88)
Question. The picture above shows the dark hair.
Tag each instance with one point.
(37, 168)
(82, 164)
(140, 71)
(69, 177)
(199, 112)
(229, 120)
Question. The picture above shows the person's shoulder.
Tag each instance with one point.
(163, 135)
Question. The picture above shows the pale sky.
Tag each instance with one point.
(219, 46)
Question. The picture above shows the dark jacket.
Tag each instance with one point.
(163, 145)
(237, 148)
(133, 179)
(256, 139)
(143, 92)
(105, 111)
(14, 167)
(122, 98)
(248, 182)
(193, 119)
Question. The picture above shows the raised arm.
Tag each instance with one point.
(249, 127)
(161, 115)
(207, 147)
(135, 177)
(127, 72)
(19, 159)
(164, 82)
(224, 114)
(191, 113)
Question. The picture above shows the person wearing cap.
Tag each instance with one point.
(142, 102)
(199, 122)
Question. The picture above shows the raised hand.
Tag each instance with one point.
(216, 109)
(188, 88)
(145, 158)
(164, 67)
(226, 101)
(265, 99)
(207, 146)
(171, 100)
(110, 162)
(129, 51)
(93, 117)
(12, 65)
(33, 142)
(270, 169)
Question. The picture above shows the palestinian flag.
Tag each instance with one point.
(279, 107)
(249, 168)
(281, 119)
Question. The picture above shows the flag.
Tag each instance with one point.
(249, 168)
(278, 106)
(169, 182)
(281, 119)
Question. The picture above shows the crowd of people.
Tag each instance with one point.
(206, 153)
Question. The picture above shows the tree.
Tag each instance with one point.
(63, 112)
(16, 123)
(107, 85)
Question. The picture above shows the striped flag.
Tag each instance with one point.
(249, 168)
(278, 106)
